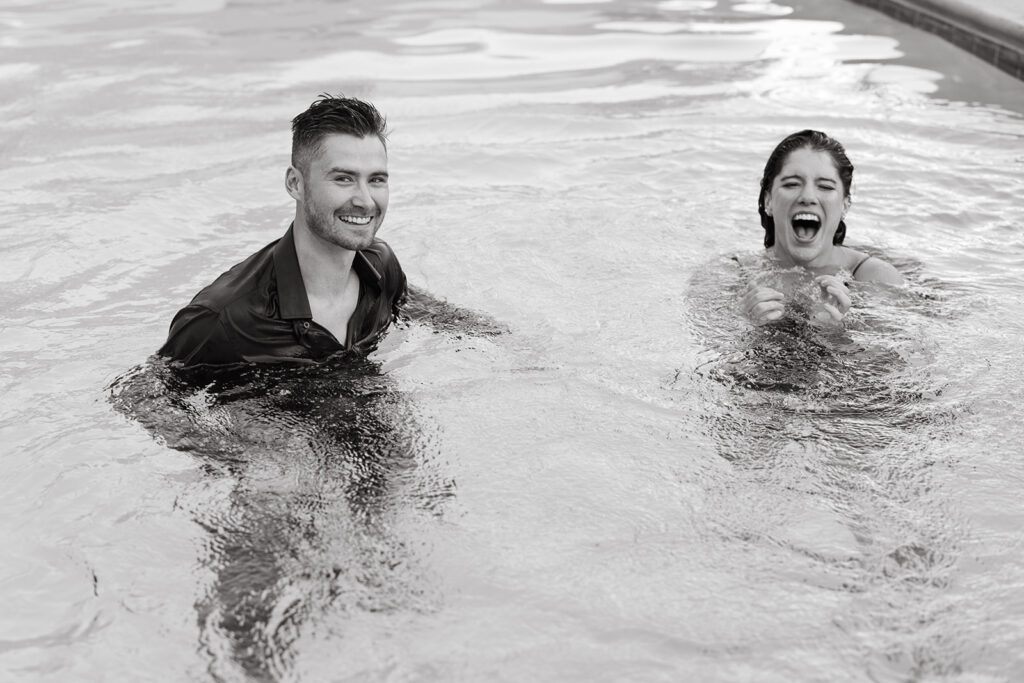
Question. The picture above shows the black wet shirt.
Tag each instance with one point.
(258, 311)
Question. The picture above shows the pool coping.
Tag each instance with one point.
(998, 40)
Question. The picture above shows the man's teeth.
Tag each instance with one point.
(357, 220)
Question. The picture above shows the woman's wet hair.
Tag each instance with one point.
(330, 115)
(816, 141)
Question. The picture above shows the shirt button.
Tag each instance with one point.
(305, 325)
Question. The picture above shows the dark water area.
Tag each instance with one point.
(315, 459)
(855, 387)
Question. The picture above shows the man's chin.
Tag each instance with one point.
(353, 244)
(362, 241)
(347, 240)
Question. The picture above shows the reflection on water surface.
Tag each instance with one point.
(647, 488)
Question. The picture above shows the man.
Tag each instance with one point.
(328, 285)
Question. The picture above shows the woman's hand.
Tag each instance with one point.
(835, 296)
(762, 304)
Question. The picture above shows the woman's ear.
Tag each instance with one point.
(293, 183)
(768, 203)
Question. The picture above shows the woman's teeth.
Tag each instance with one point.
(805, 226)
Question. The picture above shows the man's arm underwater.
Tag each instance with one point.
(420, 305)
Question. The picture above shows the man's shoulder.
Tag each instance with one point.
(391, 277)
(383, 258)
(380, 250)
(239, 283)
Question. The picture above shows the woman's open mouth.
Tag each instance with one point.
(805, 226)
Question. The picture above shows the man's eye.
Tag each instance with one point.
(827, 188)
(379, 181)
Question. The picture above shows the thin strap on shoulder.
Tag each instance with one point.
(859, 264)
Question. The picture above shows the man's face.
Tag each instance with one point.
(344, 192)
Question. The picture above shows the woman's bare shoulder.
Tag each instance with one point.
(870, 268)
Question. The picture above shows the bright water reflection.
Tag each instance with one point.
(631, 484)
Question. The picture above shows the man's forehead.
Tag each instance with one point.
(352, 143)
(351, 151)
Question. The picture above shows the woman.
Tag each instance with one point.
(805, 194)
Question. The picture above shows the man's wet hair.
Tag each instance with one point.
(816, 141)
(330, 115)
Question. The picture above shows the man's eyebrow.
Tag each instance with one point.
(348, 171)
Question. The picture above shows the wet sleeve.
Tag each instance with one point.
(413, 303)
(401, 287)
(197, 336)
(422, 306)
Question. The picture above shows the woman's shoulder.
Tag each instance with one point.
(866, 267)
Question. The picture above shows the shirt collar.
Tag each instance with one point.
(291, 291)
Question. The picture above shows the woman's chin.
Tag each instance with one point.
(803, 253)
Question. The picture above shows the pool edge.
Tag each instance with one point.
(995, 36)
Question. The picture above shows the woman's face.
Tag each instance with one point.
(807, 200)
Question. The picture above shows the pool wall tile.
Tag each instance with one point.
(997, 40)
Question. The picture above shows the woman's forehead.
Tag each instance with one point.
(807, 161)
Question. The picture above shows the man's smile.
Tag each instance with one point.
(356, 220)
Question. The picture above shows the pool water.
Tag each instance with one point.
(631, 483)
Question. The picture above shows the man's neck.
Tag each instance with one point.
(325, 267)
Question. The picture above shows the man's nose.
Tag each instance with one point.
(361, 196)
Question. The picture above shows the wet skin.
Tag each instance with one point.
(807, 200)
(343, 194)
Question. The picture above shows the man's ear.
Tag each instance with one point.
(293, 183)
